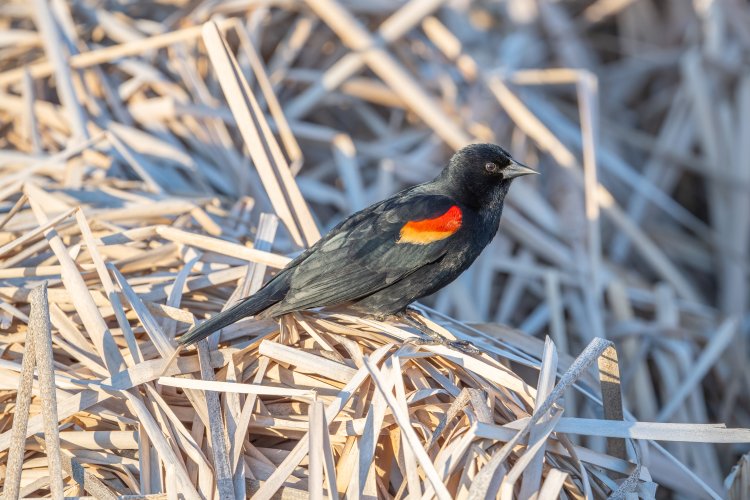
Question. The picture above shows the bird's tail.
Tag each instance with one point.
(273, 292)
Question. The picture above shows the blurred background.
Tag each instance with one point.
(636, 113)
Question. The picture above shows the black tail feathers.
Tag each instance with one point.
(250, 306)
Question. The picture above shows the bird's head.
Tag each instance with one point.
(483, 172)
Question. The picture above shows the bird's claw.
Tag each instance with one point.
(464, 346)
(460, 345)
(425, 341)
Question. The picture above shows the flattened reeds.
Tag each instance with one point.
(144, 151)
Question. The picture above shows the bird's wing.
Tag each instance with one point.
(371, 250)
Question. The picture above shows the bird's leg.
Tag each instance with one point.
(432, 337)
(411, 317)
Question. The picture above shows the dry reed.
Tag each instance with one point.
(144, 149)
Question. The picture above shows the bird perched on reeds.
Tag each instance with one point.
(384, 257)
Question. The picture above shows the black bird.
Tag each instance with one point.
(384, 257)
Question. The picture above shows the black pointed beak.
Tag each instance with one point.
(517, 169)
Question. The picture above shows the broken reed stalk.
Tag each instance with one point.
(39, 326)
(16, 451)
(609, 375)
(38, 353)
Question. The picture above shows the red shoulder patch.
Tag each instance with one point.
(422, 232)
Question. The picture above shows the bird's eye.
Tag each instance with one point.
(491, 167)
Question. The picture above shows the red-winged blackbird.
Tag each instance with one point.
(381, 259)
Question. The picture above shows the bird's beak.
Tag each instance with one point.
(516, 169)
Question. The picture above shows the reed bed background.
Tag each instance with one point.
(160, 159)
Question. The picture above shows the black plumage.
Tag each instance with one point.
(384, 257)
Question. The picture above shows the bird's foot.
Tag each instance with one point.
(424, 341)
(464, 346)
(434, 338)
(460, 345)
